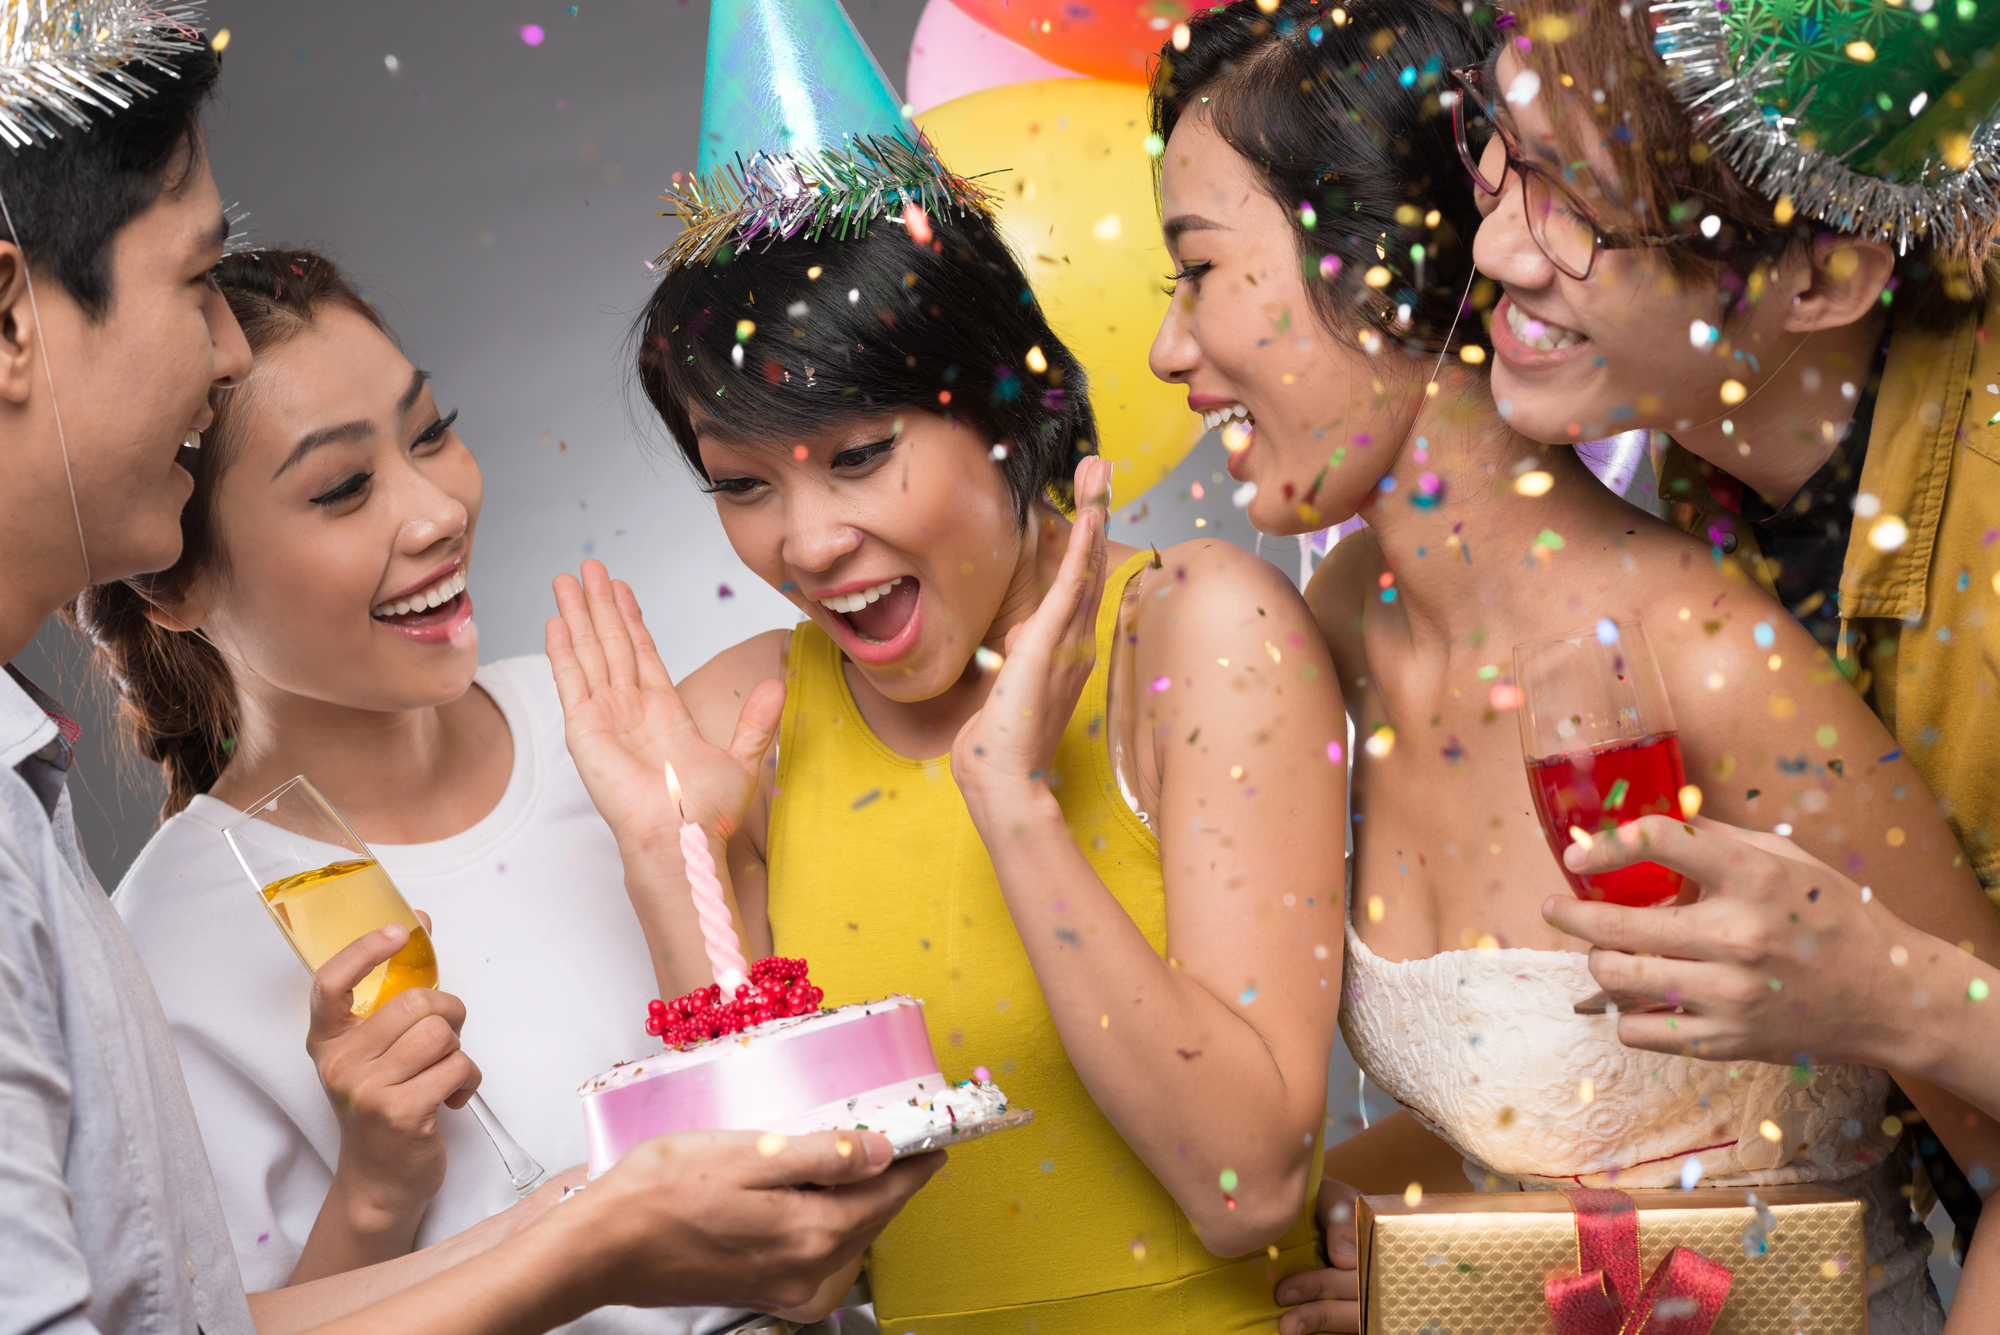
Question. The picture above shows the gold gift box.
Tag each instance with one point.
(1474, 1263)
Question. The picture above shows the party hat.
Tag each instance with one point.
(59, 62)
(801, 135)
(1879, 119)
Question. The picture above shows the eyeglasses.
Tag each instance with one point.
(1565, 226)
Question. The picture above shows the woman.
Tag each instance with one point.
(1051, 785)
(319, 622)
(1321, 242)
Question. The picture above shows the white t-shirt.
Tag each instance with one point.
(533, 932)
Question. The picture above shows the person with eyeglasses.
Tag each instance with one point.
(1314, 204)
(1796, 287)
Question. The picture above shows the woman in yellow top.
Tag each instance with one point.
(1111, 867)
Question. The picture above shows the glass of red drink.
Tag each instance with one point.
(1599, 738)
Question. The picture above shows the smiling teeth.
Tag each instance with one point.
(1215, 417)
(1538, 335)
(854, 602)
(436, 595)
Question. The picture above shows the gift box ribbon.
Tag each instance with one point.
(1683, 1295)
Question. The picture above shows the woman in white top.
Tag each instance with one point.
(317, 622)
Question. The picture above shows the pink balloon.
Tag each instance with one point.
(954, 54)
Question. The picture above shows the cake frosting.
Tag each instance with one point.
(868, 1066)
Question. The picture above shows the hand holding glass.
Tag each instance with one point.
(325, 890)
(1601, 747)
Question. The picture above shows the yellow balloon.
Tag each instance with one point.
(1069, 159)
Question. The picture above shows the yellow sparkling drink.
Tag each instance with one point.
(325, 910)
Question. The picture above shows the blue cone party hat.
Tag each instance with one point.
(801, 135)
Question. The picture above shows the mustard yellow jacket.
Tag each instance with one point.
(1920, 634)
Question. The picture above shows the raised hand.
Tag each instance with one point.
(1012, 739)
(386, 1076)
(622, 719)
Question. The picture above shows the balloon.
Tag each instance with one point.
(1069, 158)
(953, 55)
(1110, 39)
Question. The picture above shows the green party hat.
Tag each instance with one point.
(59, 62)
(801, 135)
(1876, 117)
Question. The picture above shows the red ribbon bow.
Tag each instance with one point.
(1683, 1296)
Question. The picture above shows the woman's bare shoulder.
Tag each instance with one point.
(714, 692)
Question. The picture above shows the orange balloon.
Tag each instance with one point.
(1109, 39)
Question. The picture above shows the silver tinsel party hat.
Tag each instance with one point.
(63, 60)
(1877, 117)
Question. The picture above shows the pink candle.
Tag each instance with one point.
(718, 933)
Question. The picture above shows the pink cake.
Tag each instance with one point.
(862, 1067)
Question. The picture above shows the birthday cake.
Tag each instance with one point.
(771, 1059)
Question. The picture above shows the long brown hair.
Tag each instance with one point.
(174, 688)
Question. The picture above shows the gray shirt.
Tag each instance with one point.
(109, 1219)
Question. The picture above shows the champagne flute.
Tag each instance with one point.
(1598, 735)
(325, 890)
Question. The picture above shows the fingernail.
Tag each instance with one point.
(878, 1149)
(1575, 856)
(1549, 907)
(395, 931)
(1343, 1254)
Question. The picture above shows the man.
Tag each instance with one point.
(111, 338)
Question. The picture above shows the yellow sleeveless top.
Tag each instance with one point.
(878, 878)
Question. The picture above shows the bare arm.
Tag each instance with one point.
(707, 1218)
(1211, 1064)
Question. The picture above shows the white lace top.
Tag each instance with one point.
(1484, 1047)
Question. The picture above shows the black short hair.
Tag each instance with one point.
(1339, 109)
(70, 196)
(837, 329)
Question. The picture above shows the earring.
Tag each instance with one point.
(193, 438)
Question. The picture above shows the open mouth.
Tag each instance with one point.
(879, 614)
(1539, 334)
(434, 605)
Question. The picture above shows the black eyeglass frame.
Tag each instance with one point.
(1469, 83)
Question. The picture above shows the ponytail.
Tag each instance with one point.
(175, 691)
(175, 695)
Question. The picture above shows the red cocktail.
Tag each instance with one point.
(1600, 788)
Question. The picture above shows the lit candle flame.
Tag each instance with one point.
(673, 785)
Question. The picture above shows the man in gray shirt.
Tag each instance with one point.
(111, 338)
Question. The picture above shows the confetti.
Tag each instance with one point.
(1536, 483)
(1376, 909)
(1894, 837)
(1272, 650)
(1607, 631)
(532, 34)
(1505, 696)
(724, 591)
(1770, 1130)
(770, 1143)
(1763, 635)
(1690, 800)
(1977, 990)
(1586, 1091)
(1334, 753)
(1380, 742)
(987, 660)
(1227, 1180)
(1413, 1194)
(1690, 1173)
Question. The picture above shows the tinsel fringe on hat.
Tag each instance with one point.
(812, 193)
(59, 62)
(1726, 100)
